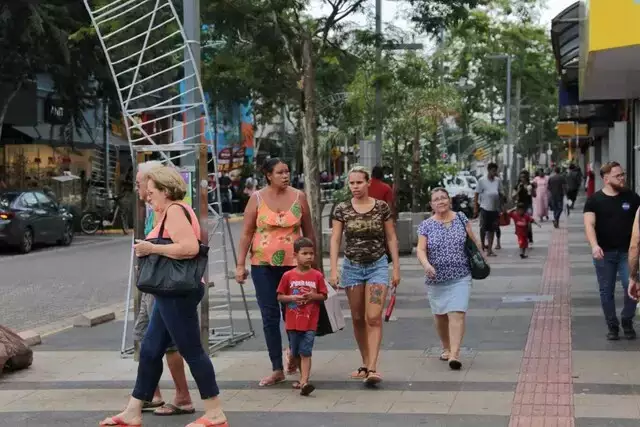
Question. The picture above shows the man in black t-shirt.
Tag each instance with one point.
(608, 219)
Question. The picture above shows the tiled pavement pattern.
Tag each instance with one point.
(522, 367)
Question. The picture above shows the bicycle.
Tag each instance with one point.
(92, 221)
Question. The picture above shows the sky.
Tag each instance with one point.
(394, 13)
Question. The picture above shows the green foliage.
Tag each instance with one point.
(504, 27)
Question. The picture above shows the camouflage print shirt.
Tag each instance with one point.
(364, 232)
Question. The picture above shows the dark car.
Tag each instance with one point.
(31, 217)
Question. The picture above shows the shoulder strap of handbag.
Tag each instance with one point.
(164, 218)
(462, 222)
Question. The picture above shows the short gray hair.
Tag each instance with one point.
(146, 167)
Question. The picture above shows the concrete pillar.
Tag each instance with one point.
(605, 151)
(635, 140)
(597, 161)
(620, 144)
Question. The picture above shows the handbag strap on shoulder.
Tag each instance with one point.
(164, 218)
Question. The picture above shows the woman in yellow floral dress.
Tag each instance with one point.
(273, 219)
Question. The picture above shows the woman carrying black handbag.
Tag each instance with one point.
(175, 317)
(448, 252)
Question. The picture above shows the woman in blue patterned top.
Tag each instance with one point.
(441, 242)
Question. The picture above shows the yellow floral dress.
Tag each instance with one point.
(275, 233)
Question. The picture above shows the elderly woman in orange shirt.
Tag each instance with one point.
(273, 219)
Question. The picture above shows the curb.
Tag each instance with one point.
(30, 337)
(93, 318)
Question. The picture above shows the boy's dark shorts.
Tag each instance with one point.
(301, 343)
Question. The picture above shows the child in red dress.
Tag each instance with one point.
(521, 220)
(303, 289)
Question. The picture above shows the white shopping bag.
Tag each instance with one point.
(334, 320)
(334, 310)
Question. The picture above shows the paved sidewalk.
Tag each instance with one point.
(535, 355)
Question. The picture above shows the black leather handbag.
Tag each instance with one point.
(164, 276)
(480, 270)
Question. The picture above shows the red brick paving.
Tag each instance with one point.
(544, 395)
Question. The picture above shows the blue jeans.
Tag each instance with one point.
(556, 207)
(174, 319)
(266, 279)
(614, 264)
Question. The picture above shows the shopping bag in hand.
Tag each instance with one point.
(331, 318)
(392, 304)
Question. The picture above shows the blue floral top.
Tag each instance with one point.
(445, 248)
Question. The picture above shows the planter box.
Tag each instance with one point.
(416, 218)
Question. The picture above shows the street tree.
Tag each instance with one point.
(503, 28)
(33, 40)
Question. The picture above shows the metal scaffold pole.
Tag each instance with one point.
(155, 63)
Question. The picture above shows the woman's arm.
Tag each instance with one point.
(336, 241)
(392, 241)
(185, 243)
(421, 251)
(307, 223)
(473, 237)
(248, 229)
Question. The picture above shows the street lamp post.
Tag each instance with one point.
(191, 10)
(376, 157)
(510, 150)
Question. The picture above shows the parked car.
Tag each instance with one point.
(31, 217)
(458, 185)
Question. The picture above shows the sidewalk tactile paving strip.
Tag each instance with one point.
(544, 394)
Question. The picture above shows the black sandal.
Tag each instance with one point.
(373, 378)
(360, 374)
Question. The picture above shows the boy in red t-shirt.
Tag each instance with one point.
(521, 219)
(303, 289)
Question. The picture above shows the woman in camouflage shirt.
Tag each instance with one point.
(369, 230)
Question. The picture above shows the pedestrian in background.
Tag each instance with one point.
(574, 180)
(380, 190)
(557, 191)
(487, 204)
(524, 193)
(274, 218)
(369, 232)
(522, 220)
(182, 403)
(441, 251)
(608, 220)
(541, 200)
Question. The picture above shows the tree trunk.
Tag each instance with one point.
(396, 171)
(310, 144)
(7, 101)
(415, 173)
(433, 149)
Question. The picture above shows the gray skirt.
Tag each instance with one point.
(450, 296)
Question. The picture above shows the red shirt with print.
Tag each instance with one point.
(521, 222)
(302, 317)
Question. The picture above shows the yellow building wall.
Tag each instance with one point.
(613, 24)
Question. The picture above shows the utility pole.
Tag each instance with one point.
(191, 10)
(508, 116)
(377, 149)
(513, 176)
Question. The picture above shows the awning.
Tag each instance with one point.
(43, 133)
(565, 39)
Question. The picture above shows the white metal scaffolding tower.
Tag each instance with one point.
(158, 82)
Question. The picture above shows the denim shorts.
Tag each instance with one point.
(376, 273)
(301, 343)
